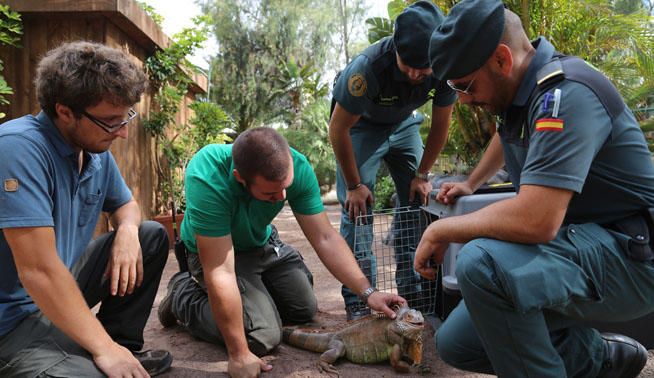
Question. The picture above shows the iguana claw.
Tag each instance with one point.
(421, 369)
(328, 368)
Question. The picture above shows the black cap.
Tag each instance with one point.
(413, 28)
(466, 38)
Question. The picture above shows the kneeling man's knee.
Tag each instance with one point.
(262, 341)
(153, 238)
(472, 262)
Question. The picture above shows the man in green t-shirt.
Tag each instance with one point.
(244, 282)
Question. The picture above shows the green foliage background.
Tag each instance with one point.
(274, 56)
(11, 30)
(616, 36)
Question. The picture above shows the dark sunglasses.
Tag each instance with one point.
(131, 114)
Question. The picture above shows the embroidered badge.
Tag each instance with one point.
(549, 124)
(357, 85)
(11, 185)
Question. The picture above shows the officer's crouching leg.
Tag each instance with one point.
(458, 344)
(457, 340)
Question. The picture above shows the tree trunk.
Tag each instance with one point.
(524, 14)
(345, 37)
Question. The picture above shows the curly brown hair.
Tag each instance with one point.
(81, 74)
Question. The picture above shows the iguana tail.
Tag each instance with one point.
(313, 341)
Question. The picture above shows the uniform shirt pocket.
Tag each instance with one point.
(90, 209)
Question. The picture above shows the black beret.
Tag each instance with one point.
(466, 38)
(413, 28)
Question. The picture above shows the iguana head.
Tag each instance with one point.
(409, 322)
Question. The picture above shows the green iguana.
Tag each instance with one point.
(373, 339)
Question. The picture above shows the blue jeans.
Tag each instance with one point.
(400, 146)
(524, 305)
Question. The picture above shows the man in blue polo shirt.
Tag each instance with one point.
(56, 176)
(575, 243)
(374, 119)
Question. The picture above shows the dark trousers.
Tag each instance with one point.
(275, 285)
(526, 306)
(37, 348)
(124, 317)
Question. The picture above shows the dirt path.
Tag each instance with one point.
(195, 358)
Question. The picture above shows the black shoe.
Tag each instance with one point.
(356, 311)
(154, 361)
(625, 357)
(165, 310)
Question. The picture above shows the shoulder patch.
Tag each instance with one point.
(357, 85)
(11, 185)
(549, 124)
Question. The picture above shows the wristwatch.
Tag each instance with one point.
(423, 176)
(367, 293)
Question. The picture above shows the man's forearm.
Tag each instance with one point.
(339, 134)
(490, 163)
(57, 295)
(227, 309)
(339, 260)
(436, 138)
(342, 145)
(127, 215)
(533, 216)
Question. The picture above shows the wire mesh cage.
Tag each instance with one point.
(385, 244)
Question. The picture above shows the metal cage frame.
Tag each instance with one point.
(385, 242)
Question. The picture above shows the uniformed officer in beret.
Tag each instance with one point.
(374, 119)
(573, 244)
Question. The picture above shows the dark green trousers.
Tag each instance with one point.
(525, 306)
(276, 288)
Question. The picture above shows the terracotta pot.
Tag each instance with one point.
(167, 221)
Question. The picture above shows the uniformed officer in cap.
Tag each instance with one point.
(573, 244)
(374, 119)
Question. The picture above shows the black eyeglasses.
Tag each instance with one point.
(131, 114)
(465, 90)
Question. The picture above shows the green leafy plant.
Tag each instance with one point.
(384, 189)
(169, 73)
(615, 36)
(206, 126)
(311, 137)
(11, 29)
(271, 53)
(156, 17)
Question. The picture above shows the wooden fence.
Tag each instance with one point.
(117, 23)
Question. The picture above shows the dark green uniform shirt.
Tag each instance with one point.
(604, 161)
(374, 87)
(217, 205)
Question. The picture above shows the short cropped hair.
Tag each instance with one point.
(261, 151)
(82, 74)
